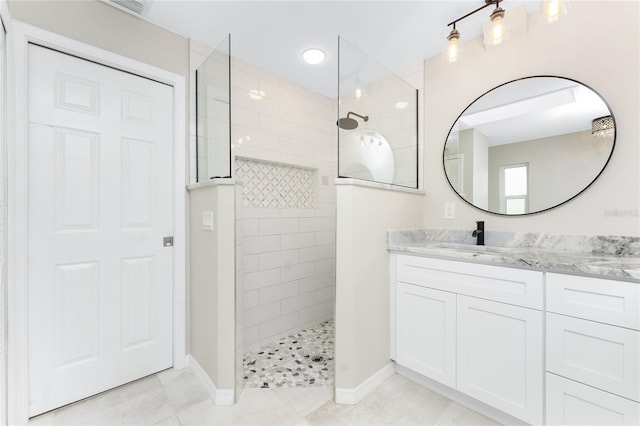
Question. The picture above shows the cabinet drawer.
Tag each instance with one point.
(607, 301)
(509, 285)
(572, 403)
(599, 355)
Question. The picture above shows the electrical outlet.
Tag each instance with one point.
(449, 211)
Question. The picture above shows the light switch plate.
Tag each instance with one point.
(207, 220)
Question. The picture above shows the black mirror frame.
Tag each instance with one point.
(604, 166)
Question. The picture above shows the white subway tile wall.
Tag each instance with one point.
(288, 272)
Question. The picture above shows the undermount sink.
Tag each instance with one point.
(474, 248)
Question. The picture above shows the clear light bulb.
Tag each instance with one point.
(452, 51)
(497, 31)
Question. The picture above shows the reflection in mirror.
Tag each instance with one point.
(213, 114)
(378, 122)
(529, 145)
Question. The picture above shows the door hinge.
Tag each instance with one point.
(167, 242)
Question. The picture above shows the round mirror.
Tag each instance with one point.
(529, 145)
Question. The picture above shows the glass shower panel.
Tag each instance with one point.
(377, 121)
(213, 114)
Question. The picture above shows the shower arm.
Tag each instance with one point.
(365, 117)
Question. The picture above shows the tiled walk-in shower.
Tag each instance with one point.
(303, 359)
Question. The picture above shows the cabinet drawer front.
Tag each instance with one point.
(426, 332)
(500, 356)
(599, 355)
(608, 301)
(572, 403)
(509, 285)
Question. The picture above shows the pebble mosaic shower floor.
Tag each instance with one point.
(303, 359)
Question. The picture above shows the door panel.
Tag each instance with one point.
(100, 202)
(426, 332)
(500, 356)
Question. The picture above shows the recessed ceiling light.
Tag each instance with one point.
(402, 105)
(314, 56)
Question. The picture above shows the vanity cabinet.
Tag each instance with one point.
(476, 328)
(592, 351)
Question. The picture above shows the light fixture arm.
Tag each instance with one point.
(487, 4)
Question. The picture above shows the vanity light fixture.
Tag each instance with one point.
(602, 127)
(496, 35)
(314, 56)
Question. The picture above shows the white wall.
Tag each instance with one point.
(101, 25)
(602, 53)
(212, 283)
(362, 276)
(577, 159)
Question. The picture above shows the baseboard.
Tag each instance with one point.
(459, 397)
(355, 395)
(219, 396)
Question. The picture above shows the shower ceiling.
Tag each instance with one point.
(273, 34)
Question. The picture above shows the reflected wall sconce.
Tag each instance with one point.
(602, 127)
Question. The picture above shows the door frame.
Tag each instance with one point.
(6, 122)
(22, 35)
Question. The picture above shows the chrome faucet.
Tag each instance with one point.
(479, 233)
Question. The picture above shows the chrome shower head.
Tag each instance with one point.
(350, 123)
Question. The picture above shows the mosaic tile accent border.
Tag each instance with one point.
(272, 185)
(304, 359)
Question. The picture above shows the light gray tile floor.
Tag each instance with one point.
(177, 398)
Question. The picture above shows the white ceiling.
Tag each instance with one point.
(273, 34)
(532, 108)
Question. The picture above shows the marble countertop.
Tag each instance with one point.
(615, 257)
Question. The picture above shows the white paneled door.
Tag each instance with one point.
(100, 203)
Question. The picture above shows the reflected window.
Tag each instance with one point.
(515, 194)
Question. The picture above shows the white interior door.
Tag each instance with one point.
(100, 203)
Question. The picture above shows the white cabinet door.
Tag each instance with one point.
(600, 355)
(500, 356)
(572, 403)
(426, 330)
